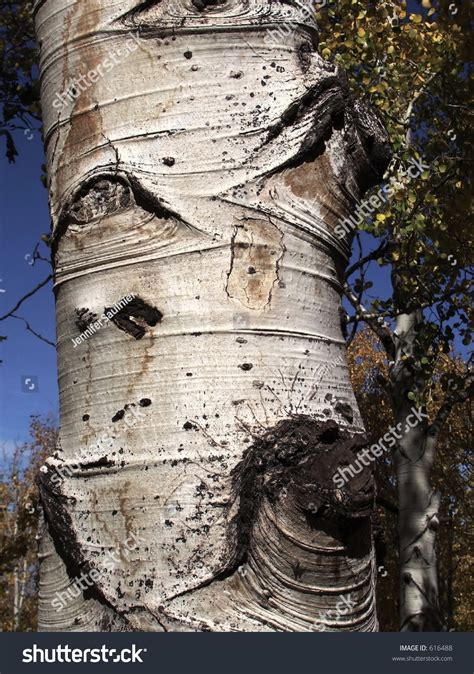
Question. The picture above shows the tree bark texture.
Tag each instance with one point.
(204, 175)
(417, 499)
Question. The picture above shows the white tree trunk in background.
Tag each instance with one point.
(418, 502)
(204, 174)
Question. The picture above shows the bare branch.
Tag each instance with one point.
(380, 250)
(36, 334)
(381, 329)
(25, 297)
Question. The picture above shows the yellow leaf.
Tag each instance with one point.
(381, 217)
(361, 32)
(416, 18)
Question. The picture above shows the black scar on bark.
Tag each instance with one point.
(301, 455)
(336, 107)
(103, 462)
(61, 529)
(304, 51)
(106, 194)
(84, 318)
(141, 311)
(55, 506)
(345, 410)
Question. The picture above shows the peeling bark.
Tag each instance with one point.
(204, 175)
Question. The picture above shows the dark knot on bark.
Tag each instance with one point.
(202, 5)
(300, 456)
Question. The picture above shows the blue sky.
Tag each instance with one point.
(24, 217)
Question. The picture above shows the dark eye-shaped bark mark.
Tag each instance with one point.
(103, 197)
(107, 195)
(97, 198)
(135, 316)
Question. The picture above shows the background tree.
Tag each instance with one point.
(451, 477)
(413, 66)
(19, 86)
(19, 526)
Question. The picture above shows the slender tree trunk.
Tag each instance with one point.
(20, 580)
(449, 580)
(16, 599)
(202, 170)
(418, 502)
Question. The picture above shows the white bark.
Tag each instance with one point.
(204, 175)
(20, 579)
(417, 501)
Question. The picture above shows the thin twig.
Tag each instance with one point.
(25, 297)
(36, 334)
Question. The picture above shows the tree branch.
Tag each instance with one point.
(382, 330)
(452, 399)
(36, 334)
(367, 258)
(25, 297)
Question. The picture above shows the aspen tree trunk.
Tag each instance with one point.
(418, 502)
(203, 173)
